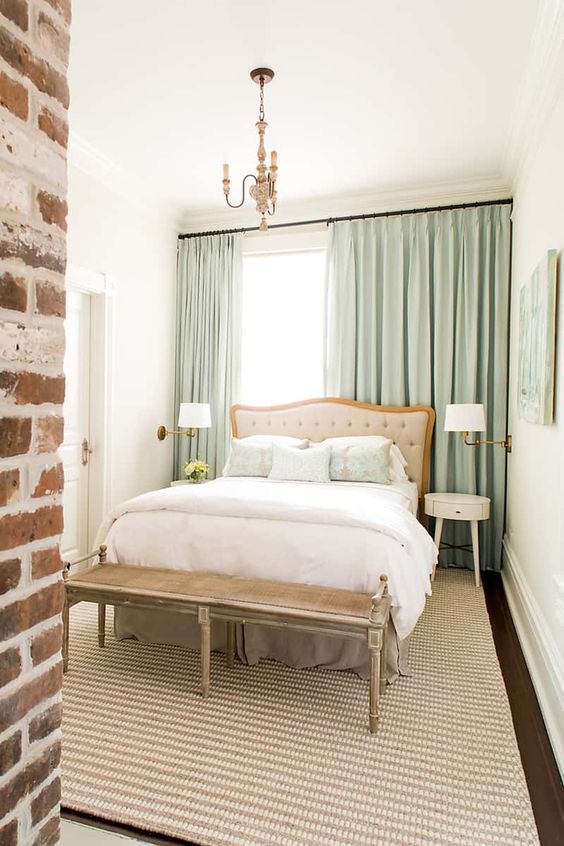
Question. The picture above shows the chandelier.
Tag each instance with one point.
(264, 189)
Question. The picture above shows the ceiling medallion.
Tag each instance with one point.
(264, 189)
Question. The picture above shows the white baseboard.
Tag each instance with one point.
(539, 648)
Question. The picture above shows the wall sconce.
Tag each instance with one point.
(191, 417)
(469, 417)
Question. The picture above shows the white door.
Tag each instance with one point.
(76, 444)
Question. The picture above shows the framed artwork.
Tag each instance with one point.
(537, 341)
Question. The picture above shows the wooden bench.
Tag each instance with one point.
(211, 596)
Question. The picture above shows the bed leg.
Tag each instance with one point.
(204, 621)
(101, 625)
(375, 650)
(230, 643)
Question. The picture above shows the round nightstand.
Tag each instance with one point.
(455, 506)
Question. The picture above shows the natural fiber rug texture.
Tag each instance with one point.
(283, 756)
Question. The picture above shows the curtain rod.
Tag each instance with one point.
(372, 216)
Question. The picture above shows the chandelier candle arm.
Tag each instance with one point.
(263, 191)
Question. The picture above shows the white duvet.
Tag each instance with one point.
(338, 534)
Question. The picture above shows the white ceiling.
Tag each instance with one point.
(369, 96)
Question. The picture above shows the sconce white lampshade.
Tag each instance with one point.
(194, 415)
(465, 417)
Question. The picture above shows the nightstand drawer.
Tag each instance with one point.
(461, 511)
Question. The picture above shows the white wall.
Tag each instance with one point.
(534, 548)
(109, 234)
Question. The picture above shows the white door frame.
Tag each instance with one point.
(100, 288)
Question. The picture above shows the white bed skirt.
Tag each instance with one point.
(255, 642)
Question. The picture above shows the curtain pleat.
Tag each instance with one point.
(208, 341)
(416, 312)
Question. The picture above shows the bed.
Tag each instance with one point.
(342, 534)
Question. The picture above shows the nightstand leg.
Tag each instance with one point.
(476, 550)
(438, 533)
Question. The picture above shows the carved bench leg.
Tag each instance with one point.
(204, 621)
(383, 658)
(230, 643)
(101, 625)
(65, 634)
(374, 649)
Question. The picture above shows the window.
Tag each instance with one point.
(282, 352)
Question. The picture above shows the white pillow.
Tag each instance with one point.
(397, 461)
(285, 440)
(300, 465)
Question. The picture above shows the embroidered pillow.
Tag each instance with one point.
(397, 461)
(300, 465)
(253, 456)
(361, 463)
(248, 459)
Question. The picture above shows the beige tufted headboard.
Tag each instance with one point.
(410, 427)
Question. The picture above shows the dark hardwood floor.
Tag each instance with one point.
(543, 779)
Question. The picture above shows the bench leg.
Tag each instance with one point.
(204, 621)
(375, 650)
(101, 625)
(383, 661)
(65, 647)
(230, 643)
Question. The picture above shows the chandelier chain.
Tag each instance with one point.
(261, 106)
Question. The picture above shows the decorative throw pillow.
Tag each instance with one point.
(300, 465)
(252, 456)
(248, 459)
(361, 463)
(397, 461)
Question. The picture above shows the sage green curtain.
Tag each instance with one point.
(417, 313)
(208, 341)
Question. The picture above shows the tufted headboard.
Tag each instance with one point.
(410, 427)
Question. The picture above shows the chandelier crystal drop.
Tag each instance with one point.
(264, 189)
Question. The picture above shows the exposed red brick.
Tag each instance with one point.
(45, 562)
(15, 11)
(15, 436)
(10, 574)
(44, 77)
(51, 481)
(25, 613)
(29, 778)
(9, 487)
(50, 299)
(25, 527)
(16, 706)
(63, 7)
(34, 248)
(46, 644)
(54, 127)
(49, 834)
(10, 665)
(27, 388)
(45, 723)
(13, 96)
(53, 37)
(13, 292)
(9, 834)
(53, 209)
(49, 433)
(10, 752)
(45, 801)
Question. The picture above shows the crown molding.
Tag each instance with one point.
(541, 86)
(431, 194)
(89, 160)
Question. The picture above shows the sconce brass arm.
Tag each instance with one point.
(507, 444)
(162, 432)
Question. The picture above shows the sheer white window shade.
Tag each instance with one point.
(282, 351)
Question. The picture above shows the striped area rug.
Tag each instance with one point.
(283, 757)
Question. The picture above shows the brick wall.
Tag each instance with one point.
(34, 97)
